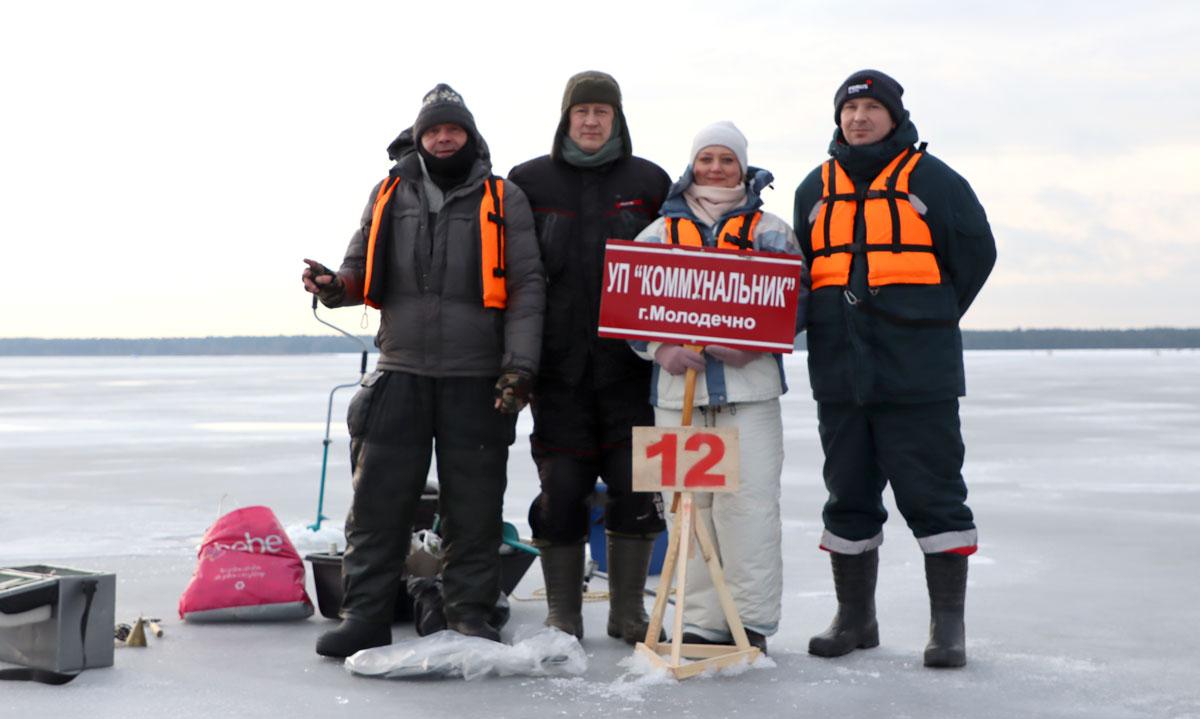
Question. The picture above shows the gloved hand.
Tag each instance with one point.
(731, 357)
(676, 360)
(321, 281)
(513, 390)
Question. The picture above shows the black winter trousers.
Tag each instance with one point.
(397, 422)
(918, 448)
(581, 434)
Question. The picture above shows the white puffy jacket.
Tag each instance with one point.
(762, 378)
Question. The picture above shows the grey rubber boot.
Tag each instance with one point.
(628, 563)
(946, 576)
(474, 625)
(562, 569)
(854, 626)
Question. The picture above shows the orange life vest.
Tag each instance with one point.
(898, 247)
(491, 243)
(737, 233)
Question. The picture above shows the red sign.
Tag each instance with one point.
(703, 296)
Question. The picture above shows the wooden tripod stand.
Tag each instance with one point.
(684, 529)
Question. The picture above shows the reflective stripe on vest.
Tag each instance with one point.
(898, 247)
(491, 242)
(736, 233)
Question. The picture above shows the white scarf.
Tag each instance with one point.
(710, 202)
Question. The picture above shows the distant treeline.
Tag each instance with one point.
(1152, 338)
(279, 345)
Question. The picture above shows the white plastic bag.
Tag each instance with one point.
(547, 652)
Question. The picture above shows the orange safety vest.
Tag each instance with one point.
(898, 248)
(740, 235)
(491, 243)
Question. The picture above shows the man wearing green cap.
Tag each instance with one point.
(590, 392)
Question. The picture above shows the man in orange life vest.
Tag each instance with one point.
(898, 247)
(447, 252)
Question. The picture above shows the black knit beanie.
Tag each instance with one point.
(871, 83)
(443, 104)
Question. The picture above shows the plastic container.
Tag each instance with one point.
(327, 576)
(598, 547)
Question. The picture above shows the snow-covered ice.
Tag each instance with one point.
(1084, 471)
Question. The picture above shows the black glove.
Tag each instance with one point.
(512, 391)
(331, 292)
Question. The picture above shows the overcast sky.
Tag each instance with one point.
(165, 166)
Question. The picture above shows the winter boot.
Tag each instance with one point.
(628, 562)
(562, 569)
(429, 610)
(474, 625)
(757, 640)
(351, 636)
(854, 625)
(946, 575)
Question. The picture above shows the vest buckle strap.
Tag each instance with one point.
(888, 194)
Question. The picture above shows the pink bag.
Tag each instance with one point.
(247, 570)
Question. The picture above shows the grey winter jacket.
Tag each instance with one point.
(433, 321)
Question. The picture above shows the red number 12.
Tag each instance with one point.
(698, 474)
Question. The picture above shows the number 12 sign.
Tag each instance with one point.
(685, 459)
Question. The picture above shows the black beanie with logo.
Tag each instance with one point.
(873, 84)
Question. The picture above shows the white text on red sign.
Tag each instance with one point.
(689, 283)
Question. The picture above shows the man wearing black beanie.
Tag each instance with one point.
(590, 391)
(898, 247)
(447, 252)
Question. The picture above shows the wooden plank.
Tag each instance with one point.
(664, 586)
(699, 651)
(718, 579)
(684, 520)
(690, 670)
(706, 651)
(652, 655)
(689, 388)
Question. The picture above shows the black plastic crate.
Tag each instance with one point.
(327, 576)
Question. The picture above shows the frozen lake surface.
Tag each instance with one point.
(1083, 601)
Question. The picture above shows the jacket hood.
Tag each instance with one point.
(565, 123)
(757, 179)
(403, 151)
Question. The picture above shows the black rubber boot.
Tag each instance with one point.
(474, 625)
(351, 636)
(946, 576)
(429, 610)
(854, 626)
(757, 640)
(628, 563)
(562, 569)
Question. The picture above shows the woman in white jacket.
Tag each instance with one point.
(734, 388)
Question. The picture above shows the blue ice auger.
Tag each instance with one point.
(362, 372)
